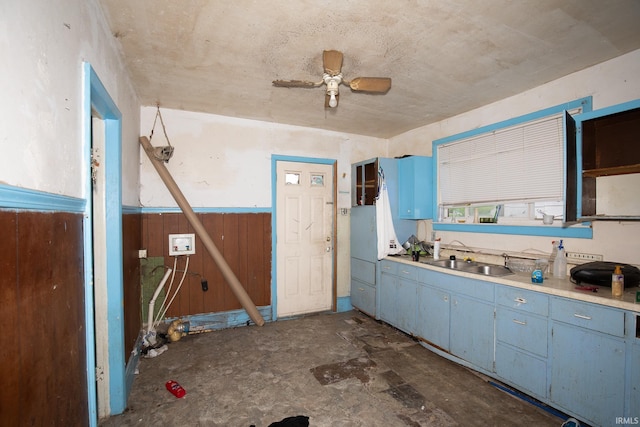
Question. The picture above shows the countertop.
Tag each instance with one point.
(551, 285)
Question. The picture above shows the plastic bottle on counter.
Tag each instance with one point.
(554, 254)
(436, 249)
(617, 282)
(560, 263)
(537, 275)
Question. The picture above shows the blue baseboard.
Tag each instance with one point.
(344, 304)
(223, 320)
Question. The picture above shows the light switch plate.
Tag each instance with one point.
(182, 244)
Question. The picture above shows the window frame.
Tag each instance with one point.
(583, 230)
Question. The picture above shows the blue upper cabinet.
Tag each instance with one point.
(605, 146)
(415, 187)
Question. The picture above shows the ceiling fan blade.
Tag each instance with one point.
(295, 83)
(332, 61)
(371, 84)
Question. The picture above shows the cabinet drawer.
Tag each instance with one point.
(363, 297)
(523, 300)
(523, 330)
(589, 316)
(364, 271)
(389, 267)
(522, 370)
(407, 271)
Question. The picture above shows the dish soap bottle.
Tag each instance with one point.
(617, 282)
(560, 263)
(536, 274)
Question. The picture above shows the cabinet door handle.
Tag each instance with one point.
(519, 322)
(361, 289)
(520, 300)
(582, 316)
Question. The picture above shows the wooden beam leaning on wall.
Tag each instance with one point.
(184, 205)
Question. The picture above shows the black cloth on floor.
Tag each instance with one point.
(297, 421)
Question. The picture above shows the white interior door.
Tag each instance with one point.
(304, 248)
(98, 177)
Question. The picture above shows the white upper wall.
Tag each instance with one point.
(609, 83)
(43, 45)
(225, 162)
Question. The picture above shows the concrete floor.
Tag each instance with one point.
(341, 369)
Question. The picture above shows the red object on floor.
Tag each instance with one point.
(175, 388)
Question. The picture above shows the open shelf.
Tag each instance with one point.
(614, 170)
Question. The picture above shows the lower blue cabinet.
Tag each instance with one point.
(588, 366)
(398, 301)
(634, 406)
(579, 357)
(456, 314)
(472, 333)
(434, 313)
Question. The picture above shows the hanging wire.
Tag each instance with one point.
(164, 129)
(161, 153)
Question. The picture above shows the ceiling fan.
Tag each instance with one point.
(332, 77)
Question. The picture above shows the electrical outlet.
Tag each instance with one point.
(582, 257)
(142, 253)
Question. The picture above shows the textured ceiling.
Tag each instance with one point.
(445, 57)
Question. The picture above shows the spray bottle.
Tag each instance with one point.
(560, 263)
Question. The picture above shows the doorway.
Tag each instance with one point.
(104, 313)
(304, 236)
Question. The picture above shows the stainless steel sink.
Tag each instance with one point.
(482, 268)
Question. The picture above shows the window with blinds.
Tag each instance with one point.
(521, 163)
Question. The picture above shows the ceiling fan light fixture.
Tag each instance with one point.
(333, 102)
(332, 83)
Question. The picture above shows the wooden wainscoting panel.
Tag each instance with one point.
(52, 328)
(243, 239)
(214, 298)
(12, 331)
(131, 244)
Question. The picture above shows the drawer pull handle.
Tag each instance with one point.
(361, 289)
(582, 316)
(520, 300)
(519, 322)
(405, 271)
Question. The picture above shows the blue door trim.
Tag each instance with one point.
(96, 98)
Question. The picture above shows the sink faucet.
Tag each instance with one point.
(506, 258)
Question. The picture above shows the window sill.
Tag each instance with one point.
(581, 231)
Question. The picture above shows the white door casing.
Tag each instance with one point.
(304, 248)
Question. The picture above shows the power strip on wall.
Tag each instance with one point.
(582, 257)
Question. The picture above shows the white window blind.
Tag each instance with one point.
(520, 163)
